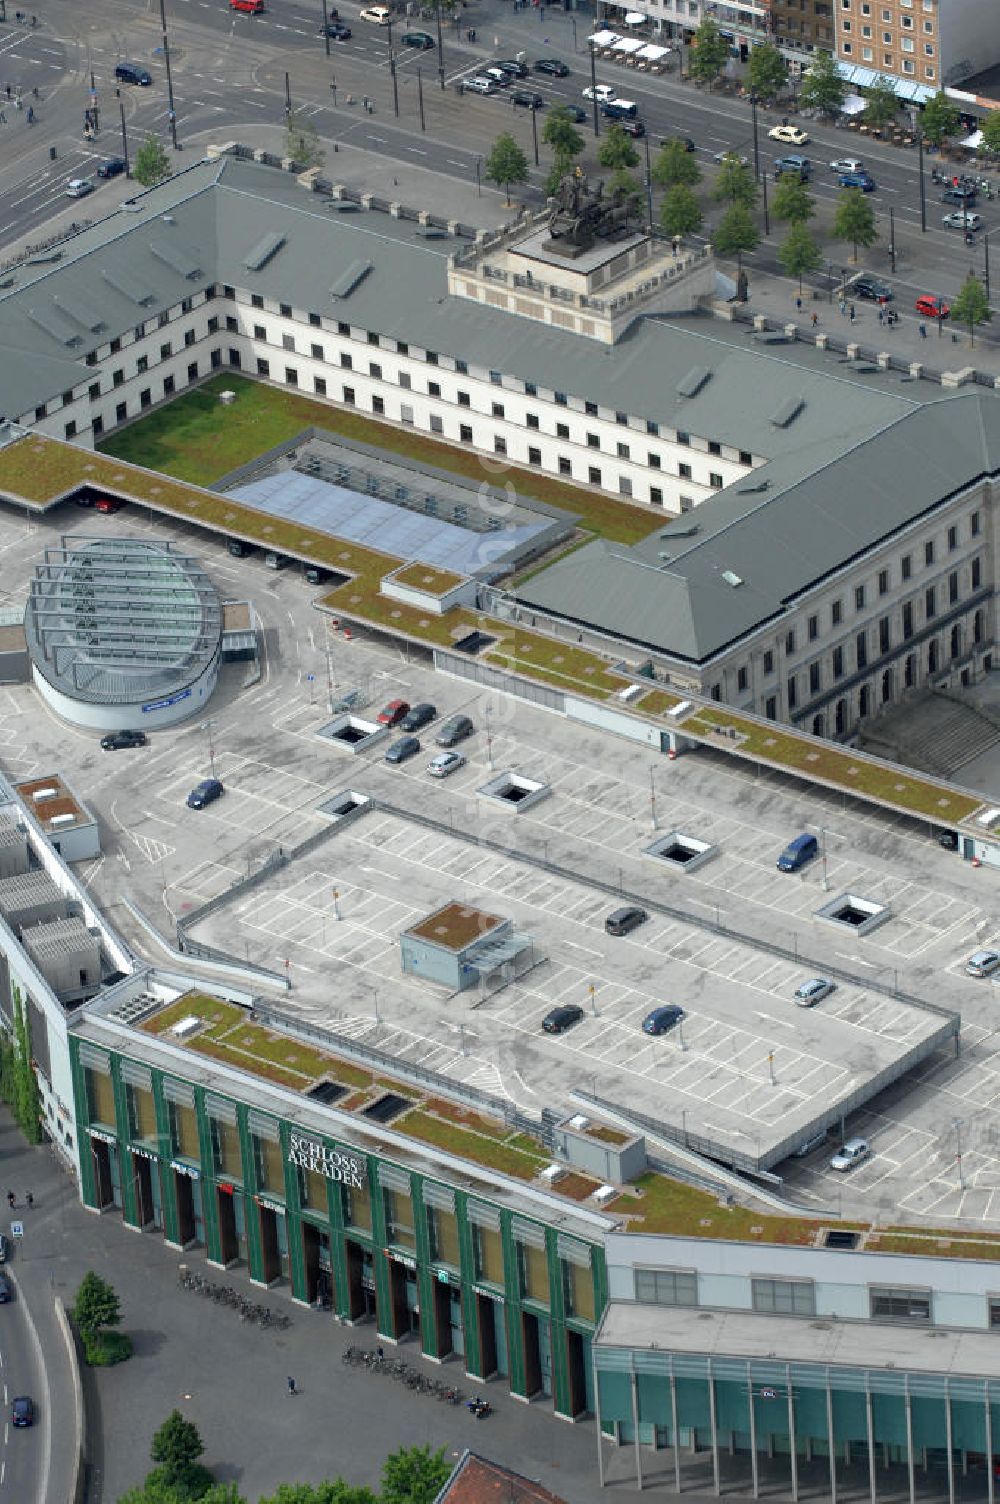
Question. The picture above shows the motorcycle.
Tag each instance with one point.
(479, 1407)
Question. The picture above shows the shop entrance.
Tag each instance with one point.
(142, 1181)
(443, 1336)
(487, 1328)
(270, 1250)
(531, 1343)
(361, 1303)
(184, 1201)
(104, 1178)
(576, 1369)
(310, 1261)
(404, 1297)
(229, 1242)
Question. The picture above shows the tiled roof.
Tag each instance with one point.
(477, 1480)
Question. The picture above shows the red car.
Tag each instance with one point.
(393, 713)
(108, 504)
(932, 308)
(254, 7)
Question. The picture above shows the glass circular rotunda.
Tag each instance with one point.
(123, 633)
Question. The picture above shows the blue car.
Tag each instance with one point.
(861, 180)
(663, 1019)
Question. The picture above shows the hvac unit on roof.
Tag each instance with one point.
(66, 819)
(46, 793)
(731, 578)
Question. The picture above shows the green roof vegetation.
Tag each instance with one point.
(657, 702)
(496, 1152)
(841, 767)
(428, 579)
(199, 439)
(655, 1204)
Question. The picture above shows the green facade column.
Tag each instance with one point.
(81, 1106)
(255, 1258)
(561, 1397)
(293, 1219)
(512, 1309)
(380, 1261)
(171, 1227)
(209, 1194)
(470, 1311)
(130, 1206)
(430, 1340)
(338, 1254)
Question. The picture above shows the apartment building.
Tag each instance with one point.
(930, 43)
(803, 25)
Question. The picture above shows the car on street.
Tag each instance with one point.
(402, 749)
(478, 85)
(113, 167)
(525, 99)
(558, 1020)
(79, 187)
(661, 1020)
(960, 193)
(847, 164)
(393, 713)
(554, 67)
(600, 92)
(496, 75)
(422, 40)
(983, 963)
(22, 1411)
(792, 135)
(4, 1248)
(338, 31)
(962, 219)
(379, 15)
(862, 180)
(741, 156)
(512, 66)
(418, 716)
(251, 7)
(204, 793)
(864, 285)
(445, 763)
(814, 991)
(687, 142)
(133, 73)
(115, 741)
(576, 113)
(624, 921)
(853, 1152)
(6, 1293)
(633, 128)
(800, 167)
(454, 730)
(932, 307)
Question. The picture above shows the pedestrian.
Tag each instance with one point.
(851, 313)
(291, 1385)
(496, 41)
(815, 320)
(842, 305)
(881, 314)
(30, 1200)
(11, 1199)
(923, 331)
(798, 305)
(7, 87)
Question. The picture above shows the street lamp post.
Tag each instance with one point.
(395, 85)
(207, 726)
(986, 249)
(593, 89)
(649, 213)
(534, 132)
(767, 221)
(128, 170)
(437, 14)
(920, 180)
(479, 176)
(420, 99)
(892, 240)
(957, 1125)
(756, 144)
(326, 29)
(288, 98)
(172, 114)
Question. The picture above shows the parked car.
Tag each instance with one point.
(204, 793)
(315, 574)
(418, 716)
(22, 1411)
(558, 1020)
(624, 921)
(274, 560)
(553, 66)
(379, 15)
(132, 73)
(576, 113)
(982, 963)
(862, 180)
(454, 730)
(422, 40)
(962, 219)
(795, 855)
(814, 991)
(793, 135)
(847, 164)
(525, 99)
(338, 31)
(851, 1153)
(865, 285)
(479, 85)
(662, 1020)
(6, 1293)
(239, 549)
(513, 66)
(445, 763)
(600, 92)
(948, 839)
(931, 307)
(112, 168)
(108, 504)
(960, 193)
(619, 109)
(393, 713)
(79, 187)
(497, 75)
(800, 167)
(402, 749)
(115, 741)
(4, 1248)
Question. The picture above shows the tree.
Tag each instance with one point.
(675, 164)
(680, 212)
(506, 164)
(562, 166)
(331, 1491)
(25, 1101)
(735, 182)
(626, 183)
(940, 118)
(414, 1475)
(709, 53)
(823, 87)
(302, 142)
(971, 307)
(152, 164)
(176, 1447)
(156, 1491)
(96, 1304)
(767, 71)
(792, 200)
(799, 253)
(560, 134)
(616, 149)
(736, 233)
(855, 220)
(991, 131)
(881, 104)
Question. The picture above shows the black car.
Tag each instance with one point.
(115, 741)
(687, 140)
(576, 113)
(6, 1293)
(315, 574)
(553, 66)
(337, 31)
(418, 716)
(526, 100)
(422, 40)
(633, 128)
(948, 839)
(454, 731)
(239, 549)
(22, 1411)
(112, 168)
(960, 193)
(558, 1020)
(206, 792)
(132, 73)
(403, 749)
(866, 286)
(512, 66)
(624, 921)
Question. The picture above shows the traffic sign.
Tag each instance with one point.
(17, 1229)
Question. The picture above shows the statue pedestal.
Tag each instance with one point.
(567, 250)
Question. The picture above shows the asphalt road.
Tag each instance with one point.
(24, 1451)
(231, 70)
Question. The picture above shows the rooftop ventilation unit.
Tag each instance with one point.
(263, 251)
(47, 793)
(788, 412)
(731, 578)
(66, 819)
(128, 287)
(56, 325)
(349, 279)
(177, 258)
(693, 382)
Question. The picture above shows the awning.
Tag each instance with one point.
(635, 18)
(852, 105)
(652, 53)
(628, 45)
(853, 73)
(976, 139)
(604, 38)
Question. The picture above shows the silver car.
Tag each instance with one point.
(479, 85)
(854, 1152)
(814, 991)
(445, 763)
(982, 963)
